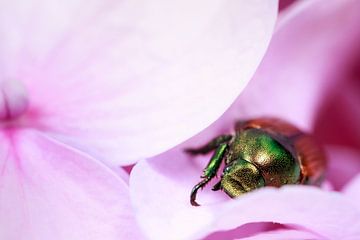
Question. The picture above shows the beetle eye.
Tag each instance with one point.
(241, 177)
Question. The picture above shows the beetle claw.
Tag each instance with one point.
(195, 189)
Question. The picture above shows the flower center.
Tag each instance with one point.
(13, 99)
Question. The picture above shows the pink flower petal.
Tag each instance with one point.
(292, 82)
(130, 79)
(243, 231)
(13, 99)
(284, 4)
(160, 190)
(307, 58)
(352, 191)
(344, 164)
(50, 191)
(338, 118)
(285, 234)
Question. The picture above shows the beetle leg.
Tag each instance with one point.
(217, 186)
(209, 172)
(195, 189)
(213, 144)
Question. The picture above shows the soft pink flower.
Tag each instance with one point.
(310, 77)
(88, 84)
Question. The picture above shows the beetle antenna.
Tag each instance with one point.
(195, 190)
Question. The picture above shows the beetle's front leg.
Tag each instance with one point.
(218, 186)
(210, 171)
(213, 144)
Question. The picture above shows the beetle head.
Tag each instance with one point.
(241, 177)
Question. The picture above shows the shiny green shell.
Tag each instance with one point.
(257, 159)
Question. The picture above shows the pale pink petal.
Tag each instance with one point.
(50, 191)
(160, 190)
(307, 59)
(130, 79)
(344, 164)
(286, 234)
(339, 116)
(244, 231)
(352, 190)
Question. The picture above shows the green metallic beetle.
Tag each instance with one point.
(262, 152)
